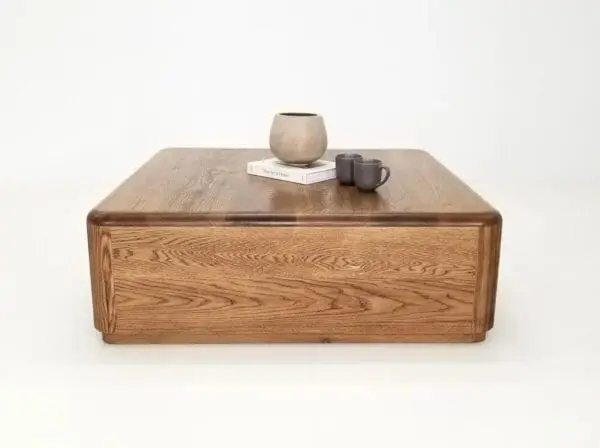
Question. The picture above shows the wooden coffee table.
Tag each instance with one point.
(190, 248)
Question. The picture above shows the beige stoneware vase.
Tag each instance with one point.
(298, 138)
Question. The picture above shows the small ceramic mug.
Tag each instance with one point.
(344, 167)
(368, 174)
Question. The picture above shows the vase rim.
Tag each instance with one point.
(298, 114)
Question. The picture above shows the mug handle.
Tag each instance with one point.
(385, 178)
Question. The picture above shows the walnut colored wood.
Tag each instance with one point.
(192, 249)
(255, 281)
(193, 336)
(489, 245)
(183, 186)
(102, 278)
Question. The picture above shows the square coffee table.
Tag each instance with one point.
(190, 249)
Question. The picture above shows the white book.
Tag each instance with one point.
(319, 171)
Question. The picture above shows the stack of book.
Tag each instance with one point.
(273, 168)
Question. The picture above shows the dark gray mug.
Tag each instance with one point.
(367, 174)
(344, 167)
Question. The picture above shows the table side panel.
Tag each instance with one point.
(487, 276)
(101, 276)
(253, 283)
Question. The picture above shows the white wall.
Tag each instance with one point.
(494, 88)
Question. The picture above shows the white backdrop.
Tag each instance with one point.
(504, 92)
(88, 89)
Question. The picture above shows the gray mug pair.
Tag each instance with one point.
(366, 174)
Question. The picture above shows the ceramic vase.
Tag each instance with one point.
(298, 138)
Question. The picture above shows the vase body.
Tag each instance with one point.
(298, 138)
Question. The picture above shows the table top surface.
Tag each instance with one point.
(195, 185)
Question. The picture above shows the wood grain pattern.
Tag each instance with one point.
(325, 282)
(191, 186)
(192, 249)
(195, 336)
(101, 278)
(248, 304)
(414, 253)
(493, 259)
(487, 275)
